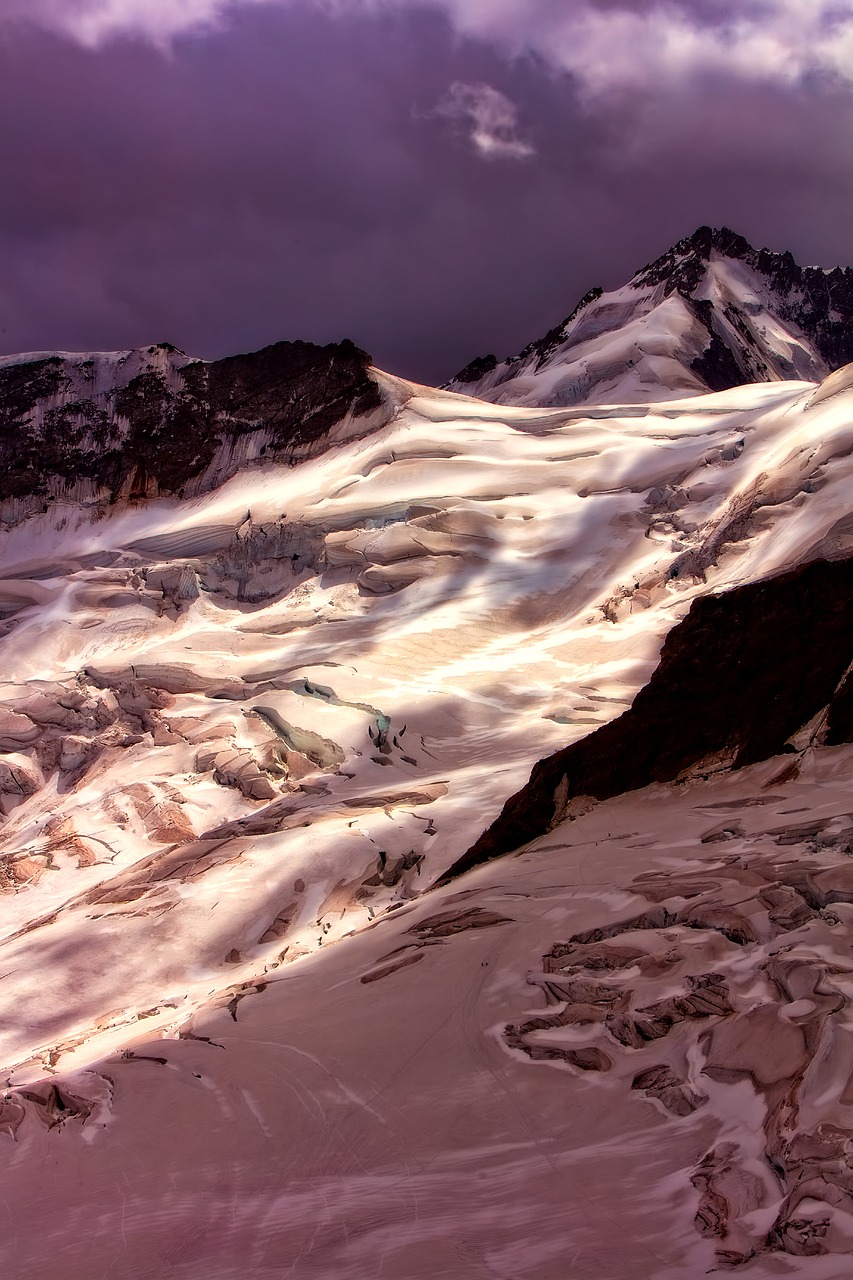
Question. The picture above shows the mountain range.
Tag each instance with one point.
(426, 827)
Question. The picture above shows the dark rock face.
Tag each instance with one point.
(477, 369)
(158, 428)
(718, 366)
(742, 674)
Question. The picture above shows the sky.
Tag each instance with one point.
(435, 179)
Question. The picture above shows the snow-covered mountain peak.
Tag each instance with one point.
(683, 266)
(709, 314)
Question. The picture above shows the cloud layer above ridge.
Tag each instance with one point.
(606, 44)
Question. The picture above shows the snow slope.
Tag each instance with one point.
(408, 1103)
(241, 735)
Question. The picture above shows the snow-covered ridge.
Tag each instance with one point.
(711, 313)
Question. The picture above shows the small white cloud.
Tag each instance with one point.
(489, 119)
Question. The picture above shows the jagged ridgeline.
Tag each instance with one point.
(139, 423)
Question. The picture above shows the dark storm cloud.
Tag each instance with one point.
(300, 171)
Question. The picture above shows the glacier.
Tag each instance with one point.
(266, 1009)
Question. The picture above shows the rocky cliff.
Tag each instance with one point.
(135, 424)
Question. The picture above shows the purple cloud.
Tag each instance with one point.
(606, 44)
